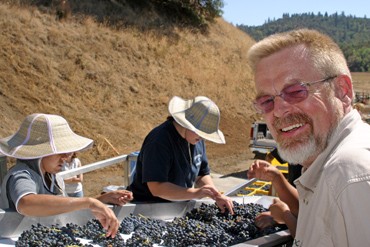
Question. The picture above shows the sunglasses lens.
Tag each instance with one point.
(292, 94)
(264, 104)
(295, 93)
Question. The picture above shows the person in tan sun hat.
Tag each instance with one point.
(41, 145)
(172, 164)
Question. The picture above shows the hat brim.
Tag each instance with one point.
(41, 150)
(177, 107)
(42, 135)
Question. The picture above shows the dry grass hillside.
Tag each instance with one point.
(113, 84)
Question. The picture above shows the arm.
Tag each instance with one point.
(204, 180)
(47, 205)
(287, 193)
(170, 191)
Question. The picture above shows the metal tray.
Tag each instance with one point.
(13, 224)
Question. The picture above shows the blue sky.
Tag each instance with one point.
(256, 12)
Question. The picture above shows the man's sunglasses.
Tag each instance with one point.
(292, 94)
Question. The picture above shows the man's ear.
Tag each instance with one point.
(344, 89)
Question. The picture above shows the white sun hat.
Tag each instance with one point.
(42, 135)
(200, 115)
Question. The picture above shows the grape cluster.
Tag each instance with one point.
(54, 235)
(145, 231)
(202, 226)
(94, 231)
(185, 231)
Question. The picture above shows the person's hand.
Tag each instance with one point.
(223, 202)
(207, 191)
(278, 208)
(106, 217)
(264, 220)
(117, 197)
(262, 170)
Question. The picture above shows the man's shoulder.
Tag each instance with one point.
(345, 168)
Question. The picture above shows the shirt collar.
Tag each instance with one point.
(311, 175)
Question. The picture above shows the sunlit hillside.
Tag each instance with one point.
(113, 84)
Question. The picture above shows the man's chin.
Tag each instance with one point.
(297, 154)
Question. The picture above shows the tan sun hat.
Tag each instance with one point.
(42, 135)
(200, 115)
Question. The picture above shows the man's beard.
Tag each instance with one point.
(303, 151)
(307, 146)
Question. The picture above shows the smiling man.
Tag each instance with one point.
(304, 92)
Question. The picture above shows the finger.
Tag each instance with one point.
(263, 224)
(230, 207)
(103, 222)
(276, 200)
(112, 227)
(259, 223)
(124, 200)
(264, 221)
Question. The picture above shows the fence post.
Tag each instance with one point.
(3, 169)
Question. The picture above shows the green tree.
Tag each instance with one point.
(351, 33)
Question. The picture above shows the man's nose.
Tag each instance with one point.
(281, 107)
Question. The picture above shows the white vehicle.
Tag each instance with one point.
(261, 141)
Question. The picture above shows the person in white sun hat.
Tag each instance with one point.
(41, 145)
(172, 164)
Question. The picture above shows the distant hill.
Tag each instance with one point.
(350, 32)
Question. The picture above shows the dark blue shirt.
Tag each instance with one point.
(164, 157)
